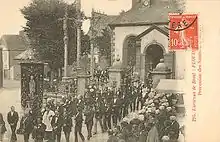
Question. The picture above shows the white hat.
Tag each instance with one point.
(172, 117)
(141, 117)
(151, 95)
(161, 107)
(166, 104)
(150, 101)
(157, 111)
(153, 105)
(149, 110)
(169, 108)
(165, 138)
(125, 119)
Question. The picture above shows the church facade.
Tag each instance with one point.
(140, 38)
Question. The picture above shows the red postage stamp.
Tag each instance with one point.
(183, 31)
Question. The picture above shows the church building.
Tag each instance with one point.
(140, 38)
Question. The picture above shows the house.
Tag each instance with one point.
(140, 38)
(11, 46)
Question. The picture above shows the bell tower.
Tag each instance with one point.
(135, 2)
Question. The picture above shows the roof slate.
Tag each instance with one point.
(156, 13)
(28, 54)
(15, 42)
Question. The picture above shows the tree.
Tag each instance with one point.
(44, 28)
(104, 44)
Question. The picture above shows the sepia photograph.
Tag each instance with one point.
(92, 71)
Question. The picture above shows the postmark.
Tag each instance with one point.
(183, 31)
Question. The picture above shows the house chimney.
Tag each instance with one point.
(21, 33)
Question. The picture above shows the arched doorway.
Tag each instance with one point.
(129, 52)
(153, 54)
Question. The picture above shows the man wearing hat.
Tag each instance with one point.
(57, 124)
(78, 125)
(115, 109)
(99, 108)
(125, 104)
(174, 128)
(119, 104)
(139, 96)
(89, 114)
(81, 103)
(39, 131)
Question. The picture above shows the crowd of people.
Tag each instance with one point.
(155, 122)
(111, 108)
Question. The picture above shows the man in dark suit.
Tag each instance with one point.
(174, 129)
(115, 110)
(57, 124)
(67, 125)
(89, 120)
(78, 125)
(13, 118)
(27, 125)
(107, 116)
(39, 130)
(60, 108)
(98, 113)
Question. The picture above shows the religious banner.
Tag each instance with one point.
(32, 86)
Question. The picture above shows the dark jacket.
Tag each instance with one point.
(67, 124)
(39, 131)
(174, 127)
(89, 116)
(26, 124)
(79, 118)
(3, 128)
(57, 124)
(13, 119)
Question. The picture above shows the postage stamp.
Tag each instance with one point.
(183, 31)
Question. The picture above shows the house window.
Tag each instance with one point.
(5, 56)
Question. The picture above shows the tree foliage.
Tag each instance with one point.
(104, 44)
(44, 28)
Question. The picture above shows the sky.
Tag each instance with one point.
(12, 20)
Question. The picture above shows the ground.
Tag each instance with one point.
(10, 95)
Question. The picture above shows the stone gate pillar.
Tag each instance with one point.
(160, 72)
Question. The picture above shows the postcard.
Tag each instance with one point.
(109, 70)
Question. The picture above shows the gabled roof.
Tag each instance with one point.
(14, 42)
(28, 54)
(141, 15)
(99, 22)
(163, 30)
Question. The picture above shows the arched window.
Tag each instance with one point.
(129, 52)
